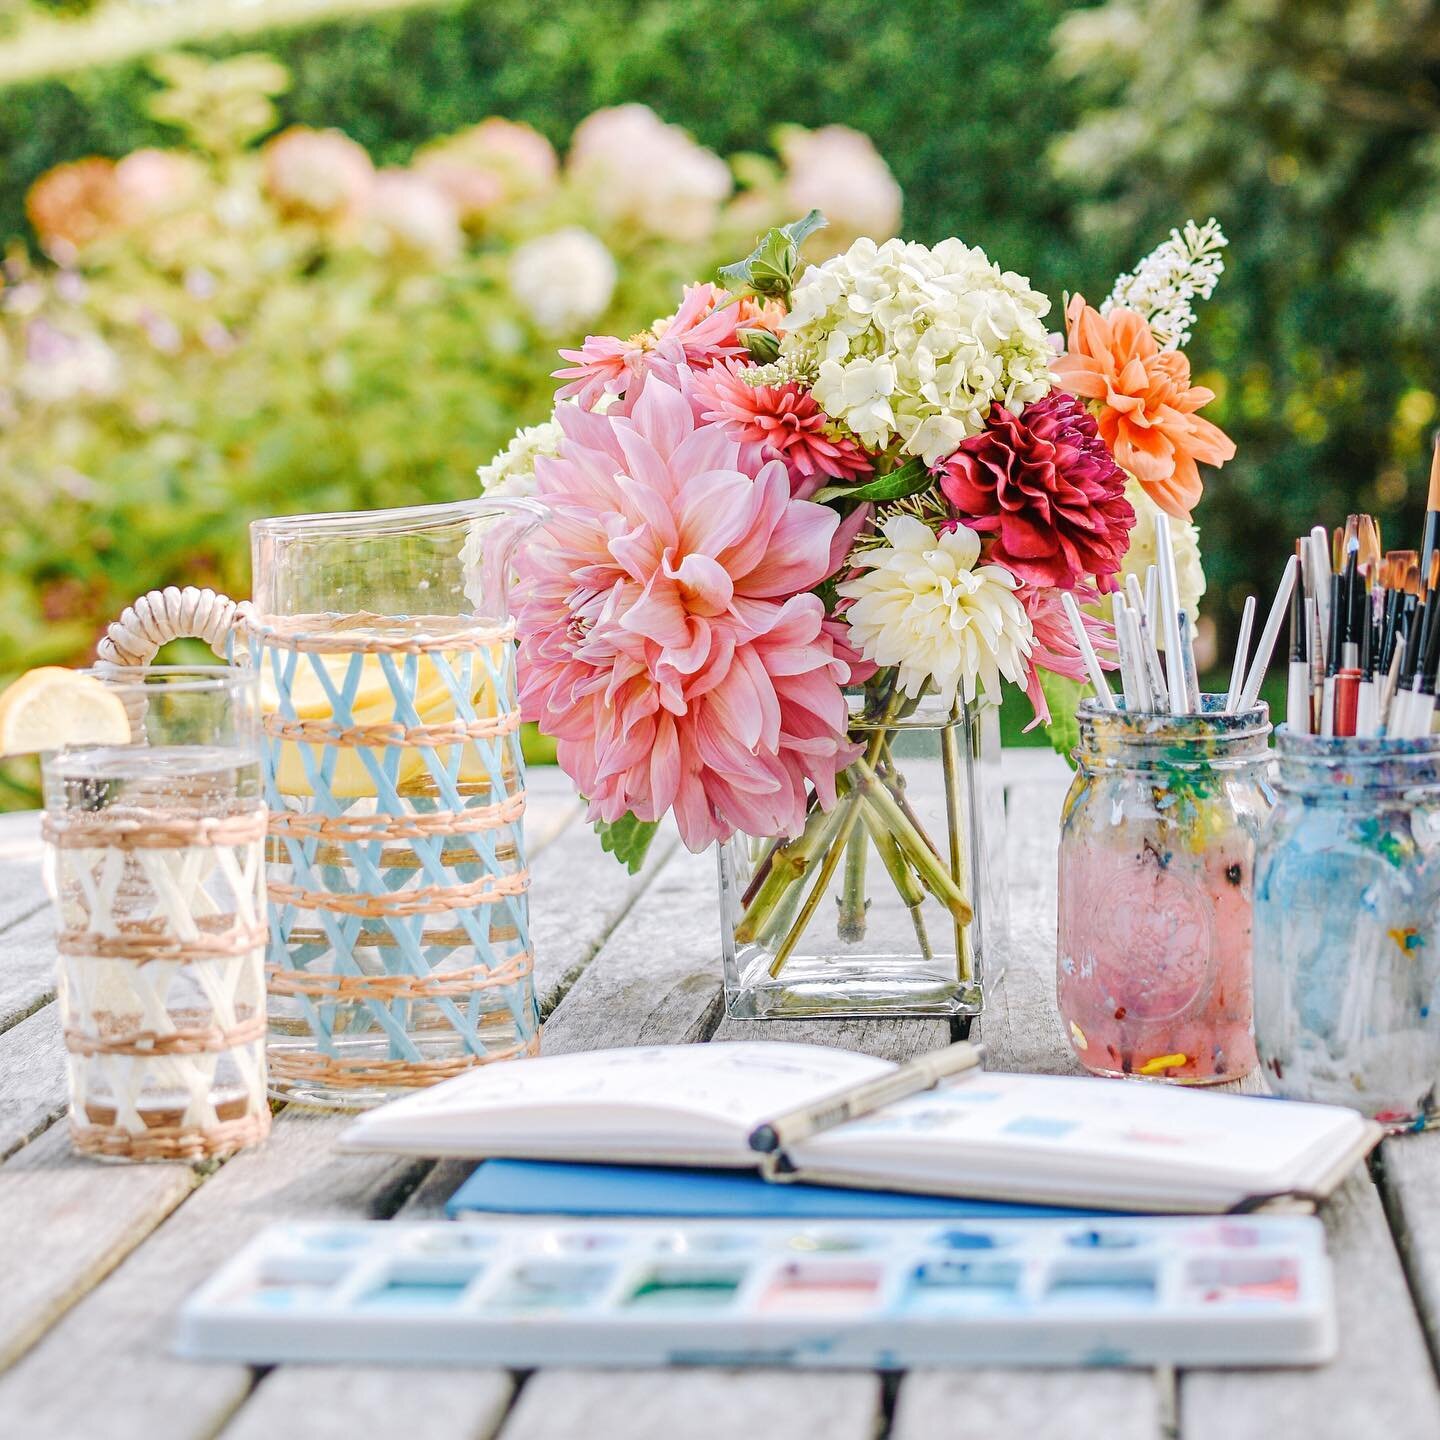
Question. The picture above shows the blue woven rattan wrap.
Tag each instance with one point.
(401, 960)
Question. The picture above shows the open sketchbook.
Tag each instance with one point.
(1039, 1139)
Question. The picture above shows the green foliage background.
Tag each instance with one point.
(1309, 127)
(957, 97)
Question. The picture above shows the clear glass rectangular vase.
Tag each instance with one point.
(888, 903)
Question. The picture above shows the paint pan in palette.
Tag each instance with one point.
(523, 1294)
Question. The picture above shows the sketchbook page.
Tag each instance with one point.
(697, 1102)
(1125, 1137)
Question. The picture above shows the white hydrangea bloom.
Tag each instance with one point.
(565, 279)
(923, 605)
(512, 471)
(1169, 278)
(917, 343)
(1185, 537)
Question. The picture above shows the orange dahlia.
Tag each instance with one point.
(1146, 403)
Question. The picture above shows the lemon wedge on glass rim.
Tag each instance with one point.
(52, 708)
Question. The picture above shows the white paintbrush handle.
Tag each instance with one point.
(1268, 637)
(1087, 652)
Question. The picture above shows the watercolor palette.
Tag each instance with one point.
(1226, 1291)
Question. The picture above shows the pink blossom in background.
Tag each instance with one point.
(646, 174)
(155, 182)
(1054, 647)
(699, 334)
(407, 213)
(472, 191)
(667, 641)
(838, 170)
(785, 422)
(317, 172)
(498, 157)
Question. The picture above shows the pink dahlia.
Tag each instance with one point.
(700, 333)
(785, 422)
(667, 641)
(1045, 486)
(1054, 647)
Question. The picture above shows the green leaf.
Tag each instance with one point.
(1063, 695)
(799, 231)
(907, 479)
(770, 267)
(627, 839)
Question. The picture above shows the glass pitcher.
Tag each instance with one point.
(399, 950)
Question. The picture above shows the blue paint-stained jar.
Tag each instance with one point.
(1347, 926)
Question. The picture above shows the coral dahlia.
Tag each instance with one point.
(1146, 403)
(666, 637)
(785, 421)
(1044, 485)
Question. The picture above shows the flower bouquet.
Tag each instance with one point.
(800, 531)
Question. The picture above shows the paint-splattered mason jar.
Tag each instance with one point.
(1347, 926)
(1157, 846)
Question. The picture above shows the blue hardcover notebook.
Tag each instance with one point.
(543, 1187)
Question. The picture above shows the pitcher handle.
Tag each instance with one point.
(160, 616)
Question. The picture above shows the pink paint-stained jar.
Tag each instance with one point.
(1157, 850)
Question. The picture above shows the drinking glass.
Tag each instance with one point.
(154, 862)
(400, 946)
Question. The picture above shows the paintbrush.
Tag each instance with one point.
(1430, 536)
(1347, 671)
(1297, 694)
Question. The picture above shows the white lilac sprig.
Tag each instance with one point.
(1183, 268)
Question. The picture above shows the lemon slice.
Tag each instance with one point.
(374, 703)
(50, 708)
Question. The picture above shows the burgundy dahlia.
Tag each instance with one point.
(1044, 486)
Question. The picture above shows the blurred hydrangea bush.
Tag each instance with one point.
(241, 326)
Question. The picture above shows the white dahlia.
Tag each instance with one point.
(924, 605)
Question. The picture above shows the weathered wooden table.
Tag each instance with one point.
(95, 1259)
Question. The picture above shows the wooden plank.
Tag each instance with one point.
(323, 1402)
(1021, 1027)
(696, 1405)
(1380, 1384)
(27, 967)
(1028, 1405)
(656, 980)
(1409, 1175)
(22, 890)
(121, 1332)
(34, 1086)
(549, 811)
(578, 896)
(57, 1242)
